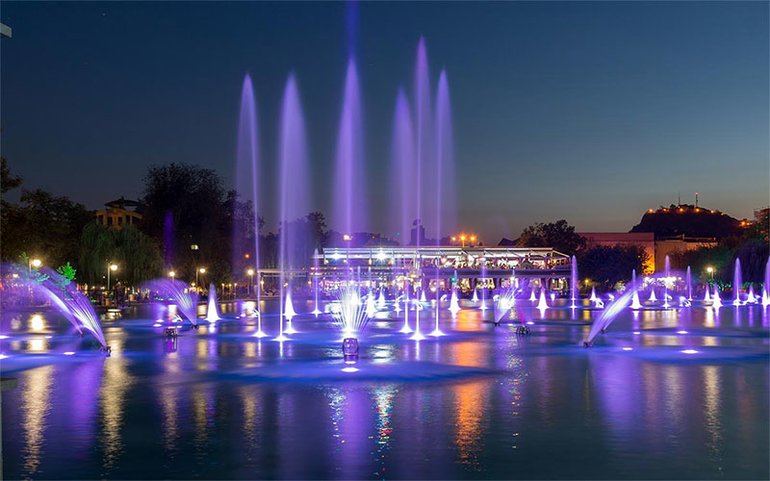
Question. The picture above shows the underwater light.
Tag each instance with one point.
(628, 348)
(349, 369)
(636, 333)
(69, 353)
(682, 332)
(3, 336)
(689, 351)
(3, 356)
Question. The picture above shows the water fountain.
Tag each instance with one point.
(371, 309)
(716, 300)
(475, 297)
(608, 315)
(454, 303)
(574, 282)
(707, 295)
(635, 304)
(289, 313)
(653, 297)
(212, 313)
(504, 303)
(593, 297)
(179, 293)
(381, 300)
(737, 283)
(688, 280)
(293, 185)
(67, 300)
(542, 304)
(665, 282)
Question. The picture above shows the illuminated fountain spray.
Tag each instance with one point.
(737, 283)
(533, 296)
(212, 314)
(601, 324)
(593, 297)
(751, 297)
(689, 284)
(574, 281)
(289, 313)
(653, 297)
(371, 309)
(316, 308)
(381, 300)
(635, 304)
(716, 301)
(351, 317)
(70, 302)
(665, 282)
(707, 295)
(542, 304)
(483, 278)
(766, 286)
(177, 292)
(503, 303)
(454, 303)
(247, 183)
(293, 185)
(406, 329)
(475, 298)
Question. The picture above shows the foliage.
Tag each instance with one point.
(559, 235)
(46, 225)
(67, 273)
(753, 254)
(201, 214)
(607, 266)
(8, 181)
(137, 255)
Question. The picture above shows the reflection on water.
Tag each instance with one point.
(37, 391)
(648, 411)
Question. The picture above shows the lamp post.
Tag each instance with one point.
(710, 270)
(111, 267)
(172, 274)
(250, 273)
(200, 270)
(33, 263)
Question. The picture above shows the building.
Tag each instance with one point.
(468, 267)
(676, 244)
(119, 213)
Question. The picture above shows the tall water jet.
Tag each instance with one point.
(403, 160)
(737, 283)
(483, 286)
(635, 304)
(247, 187)
(292, 154)
(212, 313)
(653, 297)
(406, 329)
(542, 304)
(574, 281)
(349, 312)
(665, 282)
(316, 308)
(349, 197)
(688, 280)
(707, 296)
(475, 298)
(766, 285)
(444, 162)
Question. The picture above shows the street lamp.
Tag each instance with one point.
(250, 272)
(201, 270)
(111, 267)
(33, 263)
(172, 274)
(710, 270)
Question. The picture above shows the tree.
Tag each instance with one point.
(45, 225)
(185, 206)
(137, 255)
(559, 235)
(608, 266)
(8, 181)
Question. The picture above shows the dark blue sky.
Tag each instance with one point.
(591, 112)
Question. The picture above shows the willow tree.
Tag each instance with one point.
(137, 255)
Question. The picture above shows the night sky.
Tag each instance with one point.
(591, 112)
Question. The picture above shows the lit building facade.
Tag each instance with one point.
(119, 213)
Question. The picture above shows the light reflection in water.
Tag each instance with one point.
(383, 402)
(116, 383)
(35, 409)
(470, 404)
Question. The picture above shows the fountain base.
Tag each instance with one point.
(350, 349)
